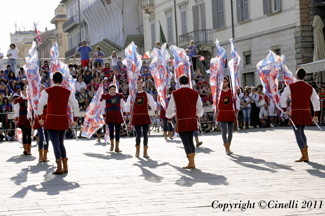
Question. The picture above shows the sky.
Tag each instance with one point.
(25, 13)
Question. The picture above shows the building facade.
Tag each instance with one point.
(110, 24)
(283, 26)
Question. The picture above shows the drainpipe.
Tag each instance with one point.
(176, 23)
(232, 19)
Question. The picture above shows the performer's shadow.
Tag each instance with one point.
(22, 176)
(112, 155)
(151, 163)
(148, 175)
(190, 177)
(201, 149)
(318, 169)
(53, 186)
(101, 144)
(21, 158)
(255, 163)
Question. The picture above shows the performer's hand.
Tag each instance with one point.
(156, 116)
(32, 124)
(315, 119)
(287, 114)
(104, 119)
(129, 117)
(74, 124)
(41, 122)
(170, 121)
(236, 114)
(215, 115)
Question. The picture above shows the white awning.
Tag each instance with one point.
(313, 67)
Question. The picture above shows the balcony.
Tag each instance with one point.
(70, 52)
(200, 37)
(148, 6)
(71, 23)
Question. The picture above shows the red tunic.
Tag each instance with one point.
(185, 102)
(43, 117)
(57, 108)
(226, 110)
(113, 108)
(23, 122)
(140, 111)
(300, 103)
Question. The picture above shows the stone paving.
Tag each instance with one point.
(100, 182)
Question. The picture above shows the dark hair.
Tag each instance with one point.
(301, 73)
(3, 100)
(12, 45)
(21, 69)
(57, 77)
(226, 78)
(46, 62)
(259, 86)
(111, 86)
(183, 79)
(84, 41)
(8, 66)
(70, 65)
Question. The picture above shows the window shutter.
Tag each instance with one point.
(221, 16)
(153, 35)
(195, 17)
(184, 22)
(215, 14)
(239, 10)
(245, 10)
(203, 22)
(277, 5)
(266, 7)
(170, 29)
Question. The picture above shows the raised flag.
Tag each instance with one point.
(147, 55)
(182, 65)
(133, 63)
(217, 74)
(269, 69)
(93, 119)
(233, 70)
(287, 74)
(38, 36)
(34, 81)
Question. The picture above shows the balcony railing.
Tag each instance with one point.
(200, 37)
(71, 23)
(70, 52)
(148, 6)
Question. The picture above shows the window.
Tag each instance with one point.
(153, 34)
(218, 14)
(271, 6)
(277, 51)
(249, 79)
(199, 22)
(169, 27)
(184, 20)
(247, 58)
(242, 10)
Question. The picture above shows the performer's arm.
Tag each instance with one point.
(284, 97)
(29, 114)
(152, 103)
(238, 104)
(102, 107)
(199, 107)
(42, 102)
(127, 105)
(315, 101)
(17, 108)
(123, 104)
(170, 112)
(74, 103)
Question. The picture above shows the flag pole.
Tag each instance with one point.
(38, 53)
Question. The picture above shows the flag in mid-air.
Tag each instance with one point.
(93, 119)
(147, 55)
(38, 36)
(133, 63)
(233, 70)
(287, 74)
(269, 69)
(182, 65)
(217, 74)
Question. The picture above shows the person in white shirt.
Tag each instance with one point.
(265, 116)
(80, 84)
(1, 60)
(114, 61)
(12, 55)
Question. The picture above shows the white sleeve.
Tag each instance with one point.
(151, 102)
(199, 107)
(315, 100)
(237, 104)
(16, 108)
(42, 102)
(103, 107)
(284, 97)
(170, 112)
(127, 105)
(74, 103)
(123, 105)
(29, 114)
(261, 113)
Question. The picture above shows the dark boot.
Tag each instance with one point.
(25, 146)
(191, 163)
(98, 137)
(117, 149)
(304, 153)
(171, 135)
(198, 143)
(112, 145)
(165, 135)
(45, 156)
(65, 165)
(137, 153)
(145, 152)
(29, 149)
(227, 147)
(59, 170)
(41, 158)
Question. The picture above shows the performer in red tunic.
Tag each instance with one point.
(56, 122)
(188, 105)
(111, 104)
(23, 120)
(225, 114)
(42, 148)
(301, 93)
(140, 116)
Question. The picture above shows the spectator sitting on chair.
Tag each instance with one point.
(10, 133)
(265, 117)
(205, 125)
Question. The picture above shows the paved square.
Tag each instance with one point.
(108, 183)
